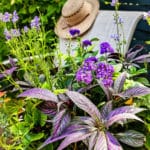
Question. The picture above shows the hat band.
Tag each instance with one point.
(78, 16)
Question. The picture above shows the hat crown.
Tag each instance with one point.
(71, 7)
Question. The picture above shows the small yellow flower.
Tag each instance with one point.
(129, 101)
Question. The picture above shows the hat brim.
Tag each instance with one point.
(83, 26)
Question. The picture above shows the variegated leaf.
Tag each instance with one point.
(106, 90)
(119, 83)
(142, 57)
(60, 122)
(106, 109)
(132, 138)
(135, 91)
(101, 142)
(92, 140)
(121, 117)
(68, 131)
(133, 52)
(84, 103)
(75, 137)
(133, 48)
(39, 93)
(112, 142)
(48, 107)
(124, 109)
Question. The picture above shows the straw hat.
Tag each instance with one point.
(76, 14)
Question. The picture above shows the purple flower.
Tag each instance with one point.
(118, 20)
(74, 32)
(114, 2)
(105, 47)
(104, 72)
(107, 82)
(35, 23)
(115, 37)
(6, 17)
(7, 34)
(86, 43)
(90, 64)
(26, 29)
(84, 76)
(146, 15)
(15, 32)
(15, 17)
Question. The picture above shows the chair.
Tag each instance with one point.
(104, 27)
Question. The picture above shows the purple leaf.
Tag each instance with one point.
(119, 82)
(7, 72)
(75, 137)
(112, 142)
(133, 52)
(92, 140)
(12, 62)
(135, 91)
(68, 131)
(39, 93)
(124, 109)
(101, 142)
(84, 120)
(48, 107)
(85, 104)
(60, 122)
(121, 117)
(10, 71)
(141, 58)
(136, 47)
(106, 90)
(106, 109)
(132, 138)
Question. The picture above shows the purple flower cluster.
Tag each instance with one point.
(84, 76)
(9, 34)
(91, 68)
(7, 17)
(105, 47)
(26, 29)
(104, 72)
(74, 32)
(35, 23)
(114, 2)
(15, 17)
(115, 37)
(86, 43)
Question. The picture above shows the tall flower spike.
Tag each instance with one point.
(35, 23)
(6, 17)
(114, 2)
(15, 17)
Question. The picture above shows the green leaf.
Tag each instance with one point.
(20, 128)
(132, 138)
(147, 42)
(23, 11)
(32, 9)
(147, 143)
(39, 118)
(143, 81)
(34, 136)
(118, 67)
